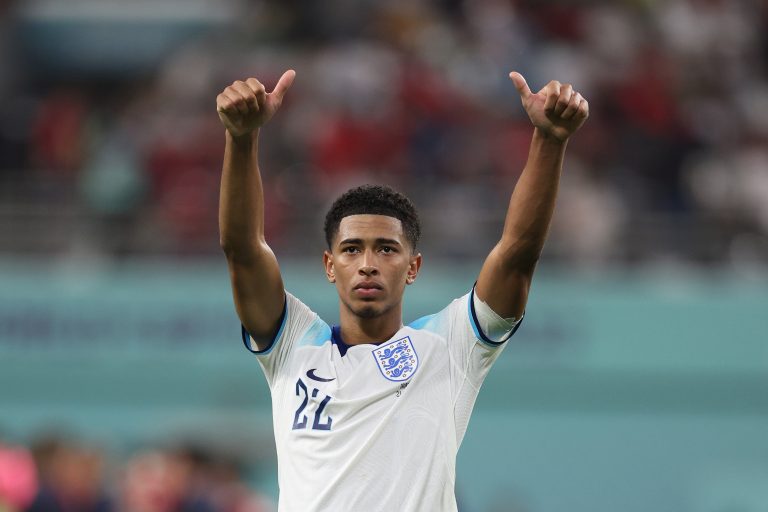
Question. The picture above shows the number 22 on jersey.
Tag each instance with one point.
(300, 419)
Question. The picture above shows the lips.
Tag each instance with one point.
(368, 290)
(368, 285)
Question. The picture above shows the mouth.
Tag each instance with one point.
(368, 289)
(368, 285)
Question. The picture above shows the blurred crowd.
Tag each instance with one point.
(57, 474)
(103, 161)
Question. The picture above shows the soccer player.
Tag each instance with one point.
(369, 415)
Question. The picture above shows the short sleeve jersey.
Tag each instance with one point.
(375, 426)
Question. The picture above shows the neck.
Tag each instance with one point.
(356, 330)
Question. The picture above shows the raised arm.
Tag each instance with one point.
(244, 107)
(556, 112)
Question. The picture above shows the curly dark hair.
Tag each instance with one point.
(375, 200)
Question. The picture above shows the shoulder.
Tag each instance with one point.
(311, 330)
(318, 333)
(440, 322)
(299, 326)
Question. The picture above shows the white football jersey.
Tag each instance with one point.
(377, 426)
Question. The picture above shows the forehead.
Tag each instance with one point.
(369, 226)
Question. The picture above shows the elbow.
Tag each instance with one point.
(242, 251)
(519, 256)
(227, 245)
(233, 249)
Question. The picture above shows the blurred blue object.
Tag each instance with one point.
(621, 391)
(89, 38)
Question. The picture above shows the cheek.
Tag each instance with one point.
(401, 274)
(342, 272)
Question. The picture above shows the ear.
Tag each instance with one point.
(413, 268)
(328, 264)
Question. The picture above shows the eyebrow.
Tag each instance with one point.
(379, 241)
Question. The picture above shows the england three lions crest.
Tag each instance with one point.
(397, 359)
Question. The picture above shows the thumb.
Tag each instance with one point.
(520, 84)
(283, 84)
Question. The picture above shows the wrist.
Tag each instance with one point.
(245, 140)
(549, 138)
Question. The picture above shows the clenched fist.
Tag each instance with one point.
(557, 109)
(245, 106)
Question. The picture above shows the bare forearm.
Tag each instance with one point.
(241, 200)
(556, 112)
(257, 286)
(533, 201)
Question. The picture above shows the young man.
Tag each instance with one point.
(369, 415)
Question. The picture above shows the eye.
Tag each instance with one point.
(350, 249)
(388, 249)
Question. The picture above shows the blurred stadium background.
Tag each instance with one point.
(640, 378)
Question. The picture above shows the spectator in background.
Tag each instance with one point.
(189, 479)
(71, 477)
(683, 84)
(63, 475)
(18, 478)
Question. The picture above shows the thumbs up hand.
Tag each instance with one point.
(557, 110)
(245, 106)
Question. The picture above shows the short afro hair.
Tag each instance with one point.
(374, 200)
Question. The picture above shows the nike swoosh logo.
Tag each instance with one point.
(311, 375)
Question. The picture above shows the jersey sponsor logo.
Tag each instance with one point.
(397, 359)
(311, 374)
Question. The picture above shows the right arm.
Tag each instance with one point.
(257, 286)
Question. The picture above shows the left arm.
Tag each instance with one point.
(556, 112)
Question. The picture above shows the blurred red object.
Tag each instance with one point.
(18, 478)
(58, 141)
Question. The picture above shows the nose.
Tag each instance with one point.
(368, 267)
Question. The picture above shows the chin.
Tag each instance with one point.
(367, 311)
